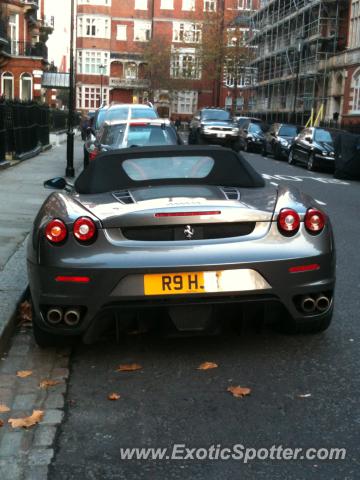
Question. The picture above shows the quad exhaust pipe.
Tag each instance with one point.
(318, 304)
(54, 316)
(72, 317)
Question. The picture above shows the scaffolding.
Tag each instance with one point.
(293, 40)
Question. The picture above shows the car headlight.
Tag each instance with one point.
(235, 130)
(283, 142)
(325, 153)
(250, 137)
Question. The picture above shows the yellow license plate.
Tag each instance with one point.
(174, 283)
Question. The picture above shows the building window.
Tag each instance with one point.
(94, 26)
(354, 37)
(142, 31)
(188, 5)
(95, 2)
(131, 71)
(167, 5)
(89, 96)
(186, 32)
(89, 61)
(25, 86)
(141, 5)
(356, 94)
(244, 4)
(7, 85)
(185, 64)
(209, 5)
(185, 102)
(14, 33)
(121, 32)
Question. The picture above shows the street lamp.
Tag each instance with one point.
(299, 48)
(102, 69)
(70, 172)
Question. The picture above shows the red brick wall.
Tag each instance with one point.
(121, 96)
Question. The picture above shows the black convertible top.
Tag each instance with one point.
(105, 174)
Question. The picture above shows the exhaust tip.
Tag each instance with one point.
(322, 303)
(72, 317)
(308, 305)
(54, 316)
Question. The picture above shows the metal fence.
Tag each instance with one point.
(23, 127)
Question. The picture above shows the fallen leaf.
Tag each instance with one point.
(1, 423)
(27, 422)
(239, 392)
(128, 367)
(47, 382)
(113, 396)
(305, 395)
(25, 313)
(207, 366)
(24, 373)
(4, 408)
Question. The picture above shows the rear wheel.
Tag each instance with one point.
(311, 163)
(246, 146)
(264, 151)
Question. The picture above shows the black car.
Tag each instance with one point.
(278, 140)
(313, 147)
(242, 120)
(252, 136)
(213, 125)
(117, 134)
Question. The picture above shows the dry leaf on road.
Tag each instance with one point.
(128, 367)
(25, 313)
(113, 396)
(47, 382)
(27, 422)
(24, 373)
(1, 423)
(207, 366)
(4, 408)
(239, 392)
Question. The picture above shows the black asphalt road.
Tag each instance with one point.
(171, 402)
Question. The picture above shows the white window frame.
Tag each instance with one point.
(29, 78)
(181, 60)
(187, 32)
(100, 24)
(244, 5)
(210, 5)
(107, 3)
(121, 32)
(167, 5)
(102, 57)
(141, 5)
(184, 102)
(142, 27)
(188, 5)
(92, 93)
(6, 76)
(14, 33)
(356, 92)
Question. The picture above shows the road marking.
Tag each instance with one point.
(320, 202)
(275, 184)
(301, 178)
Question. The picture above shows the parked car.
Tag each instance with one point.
(183, 230)
(117, 111)
(313, 147)
(213, 125)
(251, 136)
(115, 134)
(242, 120)
(278, 140)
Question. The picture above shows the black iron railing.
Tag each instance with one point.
(27, 49)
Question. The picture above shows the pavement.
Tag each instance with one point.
(304, 389)
(26, 453)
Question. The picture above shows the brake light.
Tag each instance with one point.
(139, 124)
(93, 154)
(84, 229)
(288, 221)
(72, 279)
(186, 214)
(314, 220)
(56, 231)
(304, 268)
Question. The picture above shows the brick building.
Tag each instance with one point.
(23, 53)
(112, 35)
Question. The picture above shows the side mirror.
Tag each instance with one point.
(308, 139)
(57, 183)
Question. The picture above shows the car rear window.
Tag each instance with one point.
(161, 168)
(120, 113)
(143, 113)
(288, 131)
(215, 115)
(150, 135)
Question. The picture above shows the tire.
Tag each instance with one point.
(311, 163)
(247, 147)
(45, 339)
(291, 159)
(264, 152)
(277, 154)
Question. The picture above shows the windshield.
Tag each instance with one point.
(149, 135)
(113, 135)
(143, 113)
(323, 136)
(215, 115)
(254, 128)
(117, 114)
(288, 131)
(160, 168)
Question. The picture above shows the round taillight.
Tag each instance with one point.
(314, 220)
(84, 229)
(288, 221)
(56, 231)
